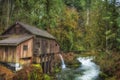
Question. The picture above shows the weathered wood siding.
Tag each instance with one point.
(45, 49)
(22, 54)
(8, 54)
(16, 29)
(16, 54)
(45, 46)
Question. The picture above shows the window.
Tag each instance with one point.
(25, 47)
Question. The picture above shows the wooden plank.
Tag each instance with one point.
(16, 29)
(7, 56)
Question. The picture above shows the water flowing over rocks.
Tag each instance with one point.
(88, 70)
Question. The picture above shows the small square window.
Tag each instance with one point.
(25, 47)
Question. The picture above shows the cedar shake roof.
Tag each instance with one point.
(14, 40)
(35, 31)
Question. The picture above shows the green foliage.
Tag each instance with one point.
(77, 24)
(118, 21)
(57, 69)
(43, 13)
(108, 64)
(47, 77)
(75, 3)
(94, 28)
(37, 65)
(118, 30)
(68, 33)
(33, 72)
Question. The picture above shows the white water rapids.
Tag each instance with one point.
(88, 70)
(91, 69)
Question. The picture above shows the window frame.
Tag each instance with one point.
(25, 47)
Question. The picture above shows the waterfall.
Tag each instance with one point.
(62, 60)
(91, 70)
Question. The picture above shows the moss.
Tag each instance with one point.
(111, 78)
(102, 75)
(73, 64)
(56, 70)
(47, 77)
(37, 66)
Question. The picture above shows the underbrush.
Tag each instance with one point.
(5, 73)
(109, 64)
(33, 72)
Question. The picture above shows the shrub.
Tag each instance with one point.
(109, 64)
(47, 77)
(33, 72)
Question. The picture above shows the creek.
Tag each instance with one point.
(87, 70)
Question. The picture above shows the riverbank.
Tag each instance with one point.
(109, 64)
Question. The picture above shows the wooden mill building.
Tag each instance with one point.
(24, 44)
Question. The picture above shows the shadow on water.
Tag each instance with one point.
(88, 70)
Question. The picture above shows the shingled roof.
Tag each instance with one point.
(14, 41)
(35, 31)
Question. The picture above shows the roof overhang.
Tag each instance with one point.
(14, 41)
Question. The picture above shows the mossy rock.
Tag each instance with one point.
(74, 64)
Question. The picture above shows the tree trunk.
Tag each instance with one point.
(5, 14)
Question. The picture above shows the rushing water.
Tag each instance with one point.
(88, 70)
(63, 63)
(91, 70)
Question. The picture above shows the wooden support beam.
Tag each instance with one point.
(46, 61)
